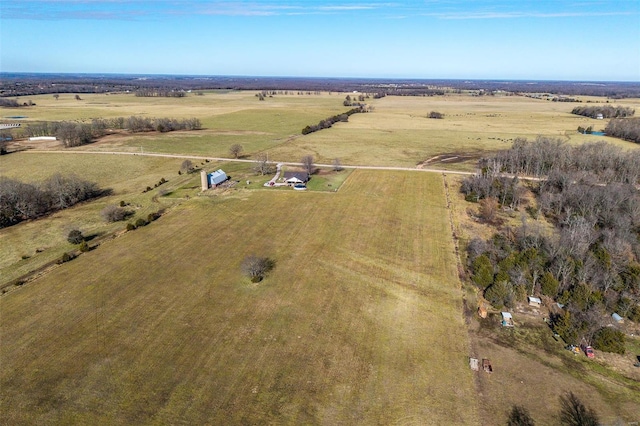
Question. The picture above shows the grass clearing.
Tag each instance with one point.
(358, 335)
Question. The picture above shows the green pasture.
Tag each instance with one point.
(359, 322)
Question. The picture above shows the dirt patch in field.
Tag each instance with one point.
(451, 158)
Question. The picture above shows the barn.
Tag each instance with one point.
(216, 178)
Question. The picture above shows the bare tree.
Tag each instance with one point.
(261, 165)
(235, 150)
(256, 267)
(488, 209)
(337, 165)
(307, 164)
(114, 213)
(574, 413)
(56, 96)
(187, 166)
(519, 416)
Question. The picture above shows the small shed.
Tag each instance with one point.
(617, 318)
(507, 319)
(474, 364)
(534, 301)
(216, 178)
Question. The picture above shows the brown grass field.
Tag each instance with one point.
(396, 133)
(359, 323)
(362, 321)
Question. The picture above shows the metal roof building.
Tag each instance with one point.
(216, 178)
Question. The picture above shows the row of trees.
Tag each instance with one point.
(590, 263)
(328, 122)
(21, 201)
(75, 134)
(607, 111)
(627, 129)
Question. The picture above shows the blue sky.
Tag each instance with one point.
(483, 39)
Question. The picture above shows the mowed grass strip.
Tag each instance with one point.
(359, 323)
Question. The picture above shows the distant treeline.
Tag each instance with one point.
(19, 84)
(155, 93)
(624, 128)
(76, 134)
(590, 263)
(607, 111)
(22, 201)
(328, 122)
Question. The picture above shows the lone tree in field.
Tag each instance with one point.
(75, 237)
(574, 413)
(256, 267)
(519, 416)
(235, 150)
(114, 213)
(78, 98)
(436, 114)
(56, 96)
(307, 164)
(337, 165)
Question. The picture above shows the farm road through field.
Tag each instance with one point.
(196, 157)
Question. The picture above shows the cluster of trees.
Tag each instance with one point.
(591, 263)
(542, 157)
(627, 129)
(150, 92)
(328, 122)
(607, 111)
(22, 201)
(349, 101)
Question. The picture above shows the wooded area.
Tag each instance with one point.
(604, 111)
(591, 261)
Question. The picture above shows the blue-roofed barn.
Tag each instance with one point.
(216, 178)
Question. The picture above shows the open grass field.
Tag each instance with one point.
(359, 322)
(398, 132)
